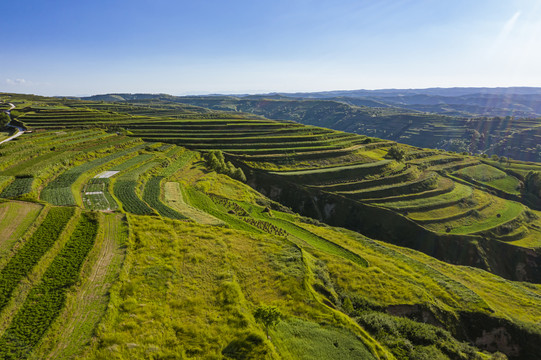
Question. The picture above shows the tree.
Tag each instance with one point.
(532, 183)
(4, 119)
(239, 175)
(269, 316)
(396, 153)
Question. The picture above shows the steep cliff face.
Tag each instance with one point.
(508, 261)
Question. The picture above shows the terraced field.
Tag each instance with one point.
(146, 251)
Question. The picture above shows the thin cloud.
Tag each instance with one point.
(509, 26)
(16, 81)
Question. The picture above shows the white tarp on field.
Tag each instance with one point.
(106, 174)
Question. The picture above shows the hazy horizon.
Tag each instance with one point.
(242, 47)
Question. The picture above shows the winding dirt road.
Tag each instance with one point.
(20, 131)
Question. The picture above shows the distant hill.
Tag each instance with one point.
(462, 127)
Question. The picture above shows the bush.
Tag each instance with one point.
(4, 119)
(396, 153)
(215, 160)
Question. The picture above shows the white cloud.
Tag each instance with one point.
(16, 82)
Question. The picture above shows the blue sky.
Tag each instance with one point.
(179, 47)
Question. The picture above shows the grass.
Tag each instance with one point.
(15, 219)
(151, 195)
(87, 303)
(175, 199)
(32, 251)
(287, 222)
(510, 211)
(304, 340)
(482, 173)
(457, 194)
(508, 184)
(47, 298)
(492, 177)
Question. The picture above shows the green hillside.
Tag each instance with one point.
(126, 234)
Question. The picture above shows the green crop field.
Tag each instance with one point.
(122, 237)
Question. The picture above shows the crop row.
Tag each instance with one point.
(58, 191)
(34, 248)
(426, 181)
(139, 159)
(265, 226)
(101, 199)
(357, 171)
(177, 164)
(46, 300)
(151, 195)
(228, 204)
(19, 186)
(124, 190)
(269, 138)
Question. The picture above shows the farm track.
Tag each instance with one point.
(20, 131)
(88, 302)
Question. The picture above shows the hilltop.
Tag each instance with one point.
(500, 121)
(186, 218)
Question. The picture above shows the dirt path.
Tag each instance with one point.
(85, 307)
(20, 131)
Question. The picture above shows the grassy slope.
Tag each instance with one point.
(190, 290)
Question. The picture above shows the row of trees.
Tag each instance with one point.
(216, 161)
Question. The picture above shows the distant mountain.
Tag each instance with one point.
(455, 91)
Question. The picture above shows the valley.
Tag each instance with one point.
(175, 220)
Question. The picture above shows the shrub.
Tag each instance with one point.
(396, 153)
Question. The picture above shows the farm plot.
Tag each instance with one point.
(151, 195)
(490, 218)
(15, 218)
(46, 300)
(19, 186)
(491, 176)
(59, 191)
(86, 305)
(459, 193)
(125, 189)
(287, 223)
(30, 253)
(96, 195)
(175, 199)
(347, 172)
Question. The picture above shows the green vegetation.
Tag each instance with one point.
(151, 196)
(46, 299)
(216, 161)
(175, 258)
(269, 316)
(19, 186)
(34, 248)
(4, 119)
